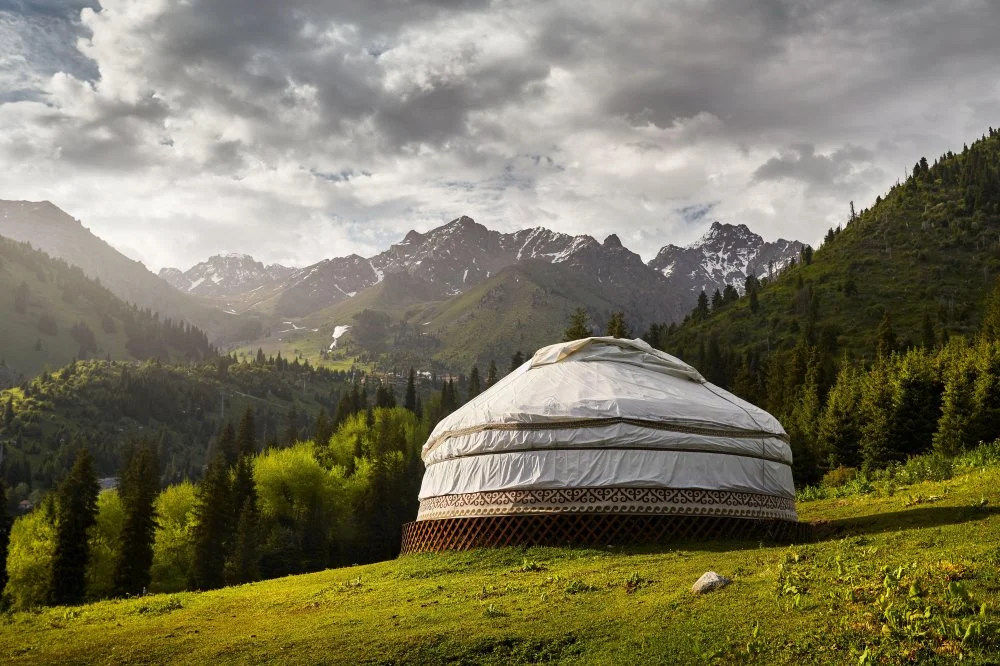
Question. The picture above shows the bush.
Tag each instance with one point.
(838, 477)
(29, 559)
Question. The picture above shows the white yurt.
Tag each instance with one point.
(600, 440)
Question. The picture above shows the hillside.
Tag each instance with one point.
(929, 250)
(903, 576)
(102, 405)
(50, 313)
(56, 233)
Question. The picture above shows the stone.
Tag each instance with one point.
(709, 582)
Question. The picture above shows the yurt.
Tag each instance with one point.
(601, 441)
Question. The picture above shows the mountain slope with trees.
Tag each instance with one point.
(51, 313)
(871, 348)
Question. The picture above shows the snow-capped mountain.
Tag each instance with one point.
(225, 275)
(724, 255)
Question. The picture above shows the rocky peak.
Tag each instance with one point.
(612, 241)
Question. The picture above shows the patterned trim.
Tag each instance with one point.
(669, 501)
(601, 447)
(603, 422)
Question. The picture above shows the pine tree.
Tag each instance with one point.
(242, 561)
(701, 310)
(410, 400)
(140, 484)
(717, 301)
(754, 304)
(990, 329)
(324, 429)
(885, 337)
(928, 339)
(617, 327)
(579, 326)
(76, 501)
(474, 387)
(5, 525)
(291, 428)
(491, 374)
(516, 361)
(212, 526)
(226, 444)
(246, 436)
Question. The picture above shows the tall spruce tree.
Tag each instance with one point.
(616, 325)
(474, 387)
(212, 526)
(139, 486)
(246, 435)
(492, 374)
(226, 444)
(6, 522)
(291, 435)
(76, 502)
(243, 557)
(579, 326)
(516, 361)
(324, 429)
(410, 398)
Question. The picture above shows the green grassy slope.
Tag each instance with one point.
(62, 294)
(930, 248)
(905, 578)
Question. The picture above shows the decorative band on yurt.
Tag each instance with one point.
(665, 501)
(600, 530)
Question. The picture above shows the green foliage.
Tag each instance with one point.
(617, 327)
(76, 502)
(29, 560)
(579, 326)
(173, 547)
(213, 525)
(138, 489)
(105, 545)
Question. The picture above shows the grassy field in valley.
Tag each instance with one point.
(910, 577)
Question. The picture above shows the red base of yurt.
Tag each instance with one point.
(573, 529)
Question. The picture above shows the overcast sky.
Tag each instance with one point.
(304, 129)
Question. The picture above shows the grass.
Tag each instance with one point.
(887, 581)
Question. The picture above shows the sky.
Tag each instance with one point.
(306, 129)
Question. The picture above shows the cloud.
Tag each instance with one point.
(307, 129)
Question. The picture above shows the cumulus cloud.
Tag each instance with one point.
(306, 129)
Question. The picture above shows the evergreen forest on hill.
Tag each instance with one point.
(51, 314)
(882, 343)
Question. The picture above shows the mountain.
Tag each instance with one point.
(225, 275)
(925, 255)
(724, 255)
(51, 314)
(55, 232)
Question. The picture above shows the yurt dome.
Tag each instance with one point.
(599, 427)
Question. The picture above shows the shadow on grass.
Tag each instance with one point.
(906, 519)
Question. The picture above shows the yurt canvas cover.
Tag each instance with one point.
(606, 425)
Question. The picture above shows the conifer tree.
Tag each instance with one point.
(324, 429)
(226, 444)
(990, 329)
(717, 301)
(701, 309)
(885, 337)
(927, 337)
(410, 399)
(491, 374)
(579, 326)
(242, 562)
(76, 501)
(291, 428)
(754, 304)
(139, 486)
(212, 526)
(6, 523)
(616, 325)
(246, 436)
(516, 361)
(474, 387)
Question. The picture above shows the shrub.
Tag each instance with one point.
(838, 477)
